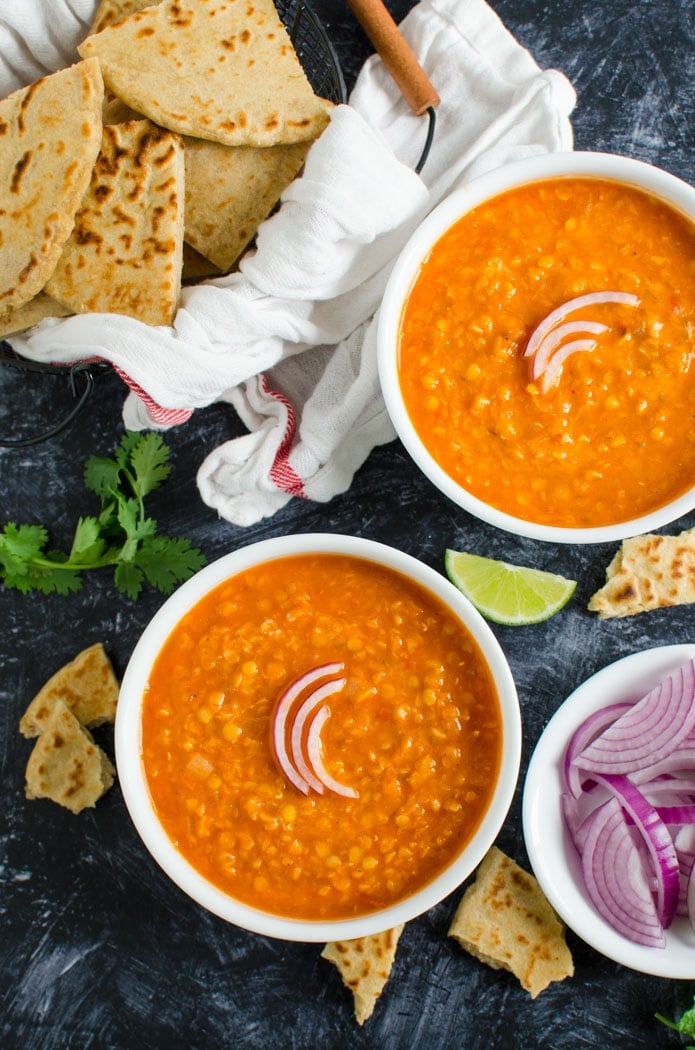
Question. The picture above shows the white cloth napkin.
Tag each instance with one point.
(290, 340)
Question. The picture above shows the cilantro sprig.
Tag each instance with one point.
(685, 1025)
(121, 536)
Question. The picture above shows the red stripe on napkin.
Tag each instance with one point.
(168, 417)
(282, 474)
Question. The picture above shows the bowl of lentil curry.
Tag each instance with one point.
(536, 347)
(331, 833)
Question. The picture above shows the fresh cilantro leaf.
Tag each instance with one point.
(149, 459)
(167, 561)
(102, 475)
(21, 543)
(129, 579)
(128, 442)
(685, 1024)
(121, 535)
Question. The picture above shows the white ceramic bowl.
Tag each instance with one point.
(655, 181)
(132, 776)
(554, 859)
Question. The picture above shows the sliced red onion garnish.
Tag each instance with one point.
(650, 730)
(562, 312)
(629, 807)
(552, 342)
(281, 714)
(297, 721)
(552, 373)
(316, 757)
(657, 839)
(583, 735)
(306, 710)
(615, 878)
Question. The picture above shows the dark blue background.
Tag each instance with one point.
(97, 947)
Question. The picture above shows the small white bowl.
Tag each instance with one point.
(658, 183)
(553, 857)
(132, 775)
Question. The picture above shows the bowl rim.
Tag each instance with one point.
(127, 739)
(659, 183)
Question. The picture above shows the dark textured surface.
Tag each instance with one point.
(97, 947)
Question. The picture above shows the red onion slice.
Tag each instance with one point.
(649, 731)
(554, 339)
(583, 735)
(657, 839)
(551, 376)
(316, 757)
(304, 713)
(281, 714)
(615, 878)
(556, 316)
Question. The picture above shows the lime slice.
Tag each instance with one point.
(507, 594)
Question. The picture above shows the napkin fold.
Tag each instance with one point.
(290, 339)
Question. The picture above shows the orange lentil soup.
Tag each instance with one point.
(613, 439)
(416, 731)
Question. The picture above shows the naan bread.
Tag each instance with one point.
(124, 255)
(66, 765)
(38, 308)
(505, 920)
(648, 572)
(50, 133)
(111, 11)
(223, 70)
(87, 686)
(195, 266)
(230, 190)
(365, 965)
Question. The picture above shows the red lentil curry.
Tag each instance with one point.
(612, 438)
(415, 731)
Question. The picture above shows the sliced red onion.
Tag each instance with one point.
(649, 731)
(615, 878)
(552, 373)
(281, 714)
(554, 339)
(557, 316)
(690, 897)
(316, 757)
(657, 839)
(685, 848)
(308, 707)
(583, 735)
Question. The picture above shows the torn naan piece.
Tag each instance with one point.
(50, 134)
(648, 572)
(87, 686)
(26, 316)
(124, 254)
(365, 966)
(196, 267)
(66, 765)
(224, 70)
(505, 920)
(111, 11)
(230, 190)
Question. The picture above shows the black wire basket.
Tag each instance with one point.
(322, 67)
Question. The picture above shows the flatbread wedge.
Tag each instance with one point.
(648, 572)
(230, 190)
(26, 316)
(365, 966)
(505, 920)
(66, 765)
(50, 134)
(111, 11)
(124, 254)
(223, 70)
(87, 686)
